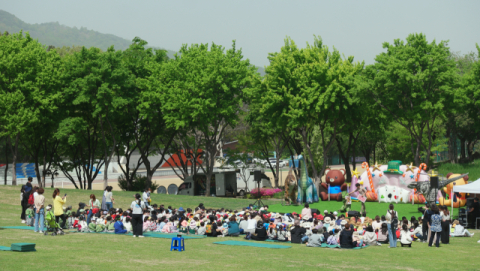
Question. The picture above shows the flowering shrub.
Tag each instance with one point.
(265, 192)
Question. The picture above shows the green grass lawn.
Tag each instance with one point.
(80, 251)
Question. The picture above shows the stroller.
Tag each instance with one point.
(51, 225)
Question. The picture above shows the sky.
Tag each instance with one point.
(355, 28)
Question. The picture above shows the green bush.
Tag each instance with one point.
(138, 183)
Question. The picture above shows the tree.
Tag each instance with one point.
(202, 89)
(145, 109)
(471, 93)
(26, 91)
(307, 89)
(411, 81)
(95, 84)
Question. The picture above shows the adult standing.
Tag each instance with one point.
(28, 185)
(362, 196)
(435, 225)
(109, 198)
(474, 212)
(427, 214)
(58, 203)
(40, 210)
(23, 202)
(104, 200)
(146, 196)
(137, 207)
(445, 214)
(392, 225)
(94, 205)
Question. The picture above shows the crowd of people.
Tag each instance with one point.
(308, 228)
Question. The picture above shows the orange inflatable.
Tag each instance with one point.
(418, 199)
(371, 196)
(447, 191)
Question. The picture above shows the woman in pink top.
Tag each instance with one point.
(307, 213)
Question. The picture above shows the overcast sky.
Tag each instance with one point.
(355, 28)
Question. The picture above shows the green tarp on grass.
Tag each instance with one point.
(147, 234)
(5, 248)
(19, 227)
(249, 244)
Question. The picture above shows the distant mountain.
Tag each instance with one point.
(60, 35)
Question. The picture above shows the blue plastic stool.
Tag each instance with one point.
(178, 244)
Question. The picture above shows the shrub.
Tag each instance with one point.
(138, 183)
(265, 192)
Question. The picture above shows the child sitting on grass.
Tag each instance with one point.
(93, 225)
(315, 240)
(128, 224)
(118, 225)
(332, 239)
(110, 226)
(100, 227)
(202, 230)
(82, 224)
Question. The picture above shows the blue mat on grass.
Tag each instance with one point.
(5, 248)
(249, 244)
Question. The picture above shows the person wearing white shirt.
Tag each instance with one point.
(252, 224)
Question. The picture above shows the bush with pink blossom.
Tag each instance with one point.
(265, 192)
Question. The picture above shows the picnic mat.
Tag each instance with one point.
(270, 240)
(146, 234)
(23, 247)
(18, 227)
(249, 244)
(157, 235)
(5, 248)
(338, 246)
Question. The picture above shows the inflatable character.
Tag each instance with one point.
(459, 199)
(307, 192)
(336, 179)
(429, 192)
(290, 187)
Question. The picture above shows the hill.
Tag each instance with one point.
(60, 35)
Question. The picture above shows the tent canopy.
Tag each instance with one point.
(473, 188)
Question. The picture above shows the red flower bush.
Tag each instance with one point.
(265, 192)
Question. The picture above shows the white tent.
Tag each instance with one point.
(472, 188)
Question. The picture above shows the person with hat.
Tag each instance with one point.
(298, 233)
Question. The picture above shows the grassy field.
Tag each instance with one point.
(79, 251)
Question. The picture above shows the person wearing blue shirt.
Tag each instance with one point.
(233, 229)
(119, 226)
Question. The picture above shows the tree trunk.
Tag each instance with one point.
(346, 160)
(310, 154)
(37, 171)
(462, 148)
(105, 171)
(14, 161)
(417, 152)
(6, 160)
